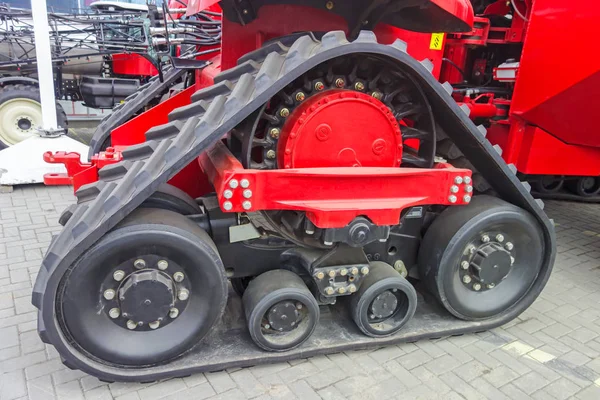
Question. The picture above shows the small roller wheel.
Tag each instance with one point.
(384, 303)
(280, 310)
(586, 186)
(549, 184)
(169, 197)
(481, 260)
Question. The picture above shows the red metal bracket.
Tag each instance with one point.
(333, 197)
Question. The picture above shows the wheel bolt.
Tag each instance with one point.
(364, 270)
(271, 154)
(118, 275)
(154, 325)
(377, 95)
(300, 96)
(173, 312)
(468, 188)
(274, 132)
(284, 112)
(320, 275)
(299, 306)
(162, 264)
(341, 290)
(466, 279)
(114, 313)
(178, 276)
(109, 294)
(139, 263)
(500, 237)
(227, 206)
(247, 193)
(485, 238)
(354, 271)
(246, 205)
(467, 179)
(512, 260)
(491, 285)
(509, 246)
(467, 198)
(352, 288)
(454, 189)
(244, 183)
(331, 274)
(233, 183)
(183, 294)
(476, 287)
(452, 198)
(470, 249)
(464, 265)
(339, 82)
(227, 193)
(359, 86)
(131, 325)
(343, 272)
(329, 290)
(267, 326)
(458, 180)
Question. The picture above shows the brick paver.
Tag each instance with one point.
(552, 351)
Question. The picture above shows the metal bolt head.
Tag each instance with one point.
(139, 263)
(354, 271)
(467, 198)
(274, 133)
(299, 306)
(364, 270)
(109, 294)
(227, 193)
(319, 86)
(452, 198)
(246, 205)
(453, 189)
(467, 179)
(352, 288)
(244, 183)
(178, 276)
(466, 279)
(485, 238)
(173, 312)
(339, 82)
(114, 313)
(468, 188)
(247, 193)
(154, 325)
(284, 112)
(341, 290)
(359, 86)
(300, 96)
(512, 260)
(227, 206)
(458, 180)
(343, 272)
(271, 154)
(509, 246)
(500, 237)
(162, 264)
(233, 183)
(329, 5)
(331, 274)
(491, 285)
(476, 286)
(183, 294)
(131, 325)
(329, 290)
(464, 265)
(118, 275)
(320, 275)
(377, 95)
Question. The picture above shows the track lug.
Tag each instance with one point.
(526, 185)
(66, 214)
(400, 45)
(498, 149)
(447, 87)
(42, 333)
(465, 108)
(540, 203)
(366, 36)
(482, 130)
(333, 39)
(427, 64)
(513, 168)
(67, 363)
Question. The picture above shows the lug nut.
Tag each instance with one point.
(352, 288)
(139, 263)
(300, 96)
(468, 188)
(284, 112)
(339, 82)
(178, 276)
(354, 271)
(118, 275)
(154, 325)
(244, 183)
(173, 313)
(466, 279)
(452, 198)
(109, 294)
(246, 205)
(342, 290)
(320, 275)
(485, 238)
(329, 290)
(359, 86)
(299, 306)
(162, 264)
(458, 180)
(114, 313)
(274, 133)
(464, 265)
(467, 179)
(247, 193)
(227, 194)
(319, 86)
(512, 260)
(500, 237)
(131, 325)
(233, 183)
(343, 272)
(227, 206)
(454, 189)
(469, 250)
(467, 198)
(364, 270)
(331, 274)
(377, 95)
(509, 246)
(271, 154)
(183, 294)
(476, 286)
(491, 285)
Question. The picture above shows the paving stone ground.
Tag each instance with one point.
(552, 351)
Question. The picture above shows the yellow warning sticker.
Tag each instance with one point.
(436, 41)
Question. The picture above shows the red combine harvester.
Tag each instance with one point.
(304, 167)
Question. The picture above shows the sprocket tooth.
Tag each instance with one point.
(333, 39)
(400, 44)
(66, 214)
(365, 36)
(526, 185)
(540, 203)
(164, 131)
(465, 108)
(223, 87)
(512, 168)
(498, 149)
(427, 64)
(448, 87)
(139, 151)
(247, 67)
(195, 108)
(259, 54)
(113, 172)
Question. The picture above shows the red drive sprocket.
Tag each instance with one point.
(340, 128)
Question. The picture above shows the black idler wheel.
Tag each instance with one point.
(480, 260)
(384, 303)
(144, 293)
(586, 186)
(280, 310)
(549, 184)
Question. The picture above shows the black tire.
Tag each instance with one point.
(264, 295)
(548, 184)
(154, 236)
(169, 197)
(26, 122)
(383, 280)
(473, 286)
(586, 186)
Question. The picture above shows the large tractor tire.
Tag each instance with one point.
(21, 113)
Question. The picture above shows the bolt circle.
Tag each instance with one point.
(178, 276)
(114, 313)
(233, 183)
(183, 294)
(109, 294)
(162, 264)
(227, 194)
(118, 275)
(139, 263)
(131, 325)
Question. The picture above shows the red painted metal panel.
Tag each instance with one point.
(132, 64)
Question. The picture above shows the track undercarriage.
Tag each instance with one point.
(331, 246)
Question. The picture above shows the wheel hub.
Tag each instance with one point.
(490, 264)
(24, 123)
(283, 316)
(384, 305)
(146, 296)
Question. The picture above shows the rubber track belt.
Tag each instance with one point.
(214, 112)
(565, 196)
(132, 104)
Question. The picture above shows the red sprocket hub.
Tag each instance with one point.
(340, 128)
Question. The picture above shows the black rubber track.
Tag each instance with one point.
(567, 196)
(216, 110)
(132, 104)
